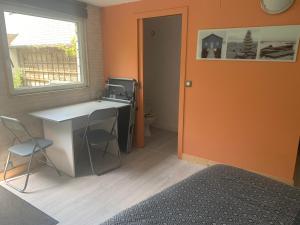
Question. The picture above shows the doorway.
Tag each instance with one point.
(151, 29)
(162, 45)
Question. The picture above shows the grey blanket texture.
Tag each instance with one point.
(218, 195)
(16, 211)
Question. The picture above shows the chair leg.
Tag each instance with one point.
(106, 148)
(6, 165)
(49, 160)
(90, 155)
(82, 148)
(119, 153)
(27, 174)
(118, 166)
(119, 150)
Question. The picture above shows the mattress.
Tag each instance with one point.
(218, 195)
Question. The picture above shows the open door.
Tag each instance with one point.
(139, 128)
(140, 139)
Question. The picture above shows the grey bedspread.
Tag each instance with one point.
(219, 195)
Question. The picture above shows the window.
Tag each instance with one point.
(44, 53)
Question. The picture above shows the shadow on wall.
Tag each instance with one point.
(297, 168)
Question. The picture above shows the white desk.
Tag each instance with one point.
(59, 125)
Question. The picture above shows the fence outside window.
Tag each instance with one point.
(41, 66)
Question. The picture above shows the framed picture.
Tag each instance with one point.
(242, 44)
(278, 43)
(211, 44)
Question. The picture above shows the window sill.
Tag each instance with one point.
(45, 91)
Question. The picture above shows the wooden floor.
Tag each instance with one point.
(91, 200)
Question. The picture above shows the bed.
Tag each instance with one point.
(218, 195)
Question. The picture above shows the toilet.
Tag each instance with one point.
(148, 121)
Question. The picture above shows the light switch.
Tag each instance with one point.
(188, 83)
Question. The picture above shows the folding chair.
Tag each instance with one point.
(27, 148)
(94, 137)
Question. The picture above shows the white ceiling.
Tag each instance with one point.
(104, 3)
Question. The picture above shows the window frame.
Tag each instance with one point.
(43, 13)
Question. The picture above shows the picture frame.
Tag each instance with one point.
(274, 43)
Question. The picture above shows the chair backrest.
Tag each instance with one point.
(15, 127)
(100, 116)
(103, 114)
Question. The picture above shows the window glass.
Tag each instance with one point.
(43, 52)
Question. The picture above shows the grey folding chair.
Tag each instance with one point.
(27, 148)
(94, 137)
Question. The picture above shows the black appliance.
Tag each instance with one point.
(123, 90)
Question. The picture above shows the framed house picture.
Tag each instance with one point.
(211, 44)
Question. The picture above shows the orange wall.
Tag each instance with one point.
(245, 114)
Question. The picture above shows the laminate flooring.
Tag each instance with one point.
(90, 200)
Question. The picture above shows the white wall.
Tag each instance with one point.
(162, 44)
(20, 106)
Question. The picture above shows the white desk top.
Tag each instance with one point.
(70, 112)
